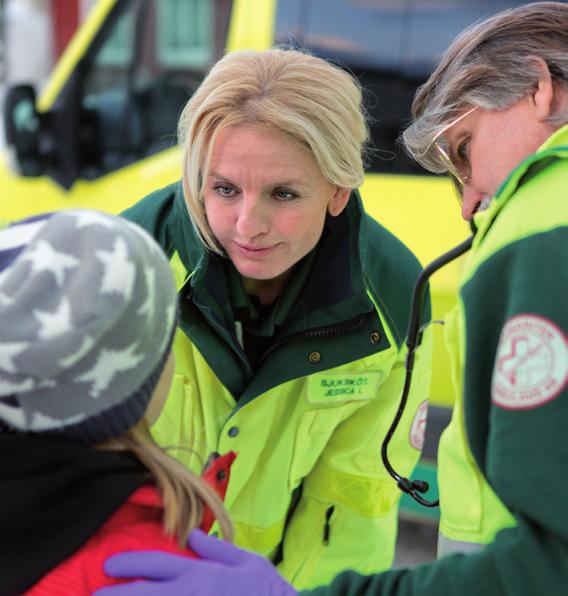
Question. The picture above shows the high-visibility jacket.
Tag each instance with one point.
(308, 488)
(470, 512)
(512, 324)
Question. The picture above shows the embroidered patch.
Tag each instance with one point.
(337, 387)
(531, 363)
(418, 428)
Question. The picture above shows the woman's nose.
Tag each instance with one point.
(253, 217)
(471, 199)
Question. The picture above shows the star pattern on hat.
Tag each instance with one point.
(55, 323)
(5, 300)
(20, 234)
(119, 272)
(109, 364)
(44, 257)
(14, 416)
(150, 303)
(9, 351)
(170, 314)
(84, 349)
(91, 218)
(4, 275)
(9, 387)
(41, 421)
(152, 244)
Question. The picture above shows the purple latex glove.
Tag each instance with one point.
(223, 569)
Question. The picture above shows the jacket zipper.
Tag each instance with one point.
(320, 333)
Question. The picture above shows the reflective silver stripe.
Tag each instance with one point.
(447, 546)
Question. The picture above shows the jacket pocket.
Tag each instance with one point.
(312, 436)
(173, 429)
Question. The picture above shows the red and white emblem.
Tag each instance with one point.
(418, 428)
(531, 363)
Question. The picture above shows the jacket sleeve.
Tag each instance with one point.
(517, 401)
(347, 515)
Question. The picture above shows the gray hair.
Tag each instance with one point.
(490, 65)
(314, 103)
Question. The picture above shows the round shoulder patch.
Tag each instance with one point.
(531, 363)
(418, 428)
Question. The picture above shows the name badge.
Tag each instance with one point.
(343, 387)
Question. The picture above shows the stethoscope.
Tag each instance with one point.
(415, 488)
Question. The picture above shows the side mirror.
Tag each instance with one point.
(22, 129)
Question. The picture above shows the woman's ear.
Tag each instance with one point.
(338, 201)
(542, 99)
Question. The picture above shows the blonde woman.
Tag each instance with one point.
(87, 315)
(290, 348)
(494, 115)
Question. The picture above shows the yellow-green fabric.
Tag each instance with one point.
(308, 488)
(470, 512)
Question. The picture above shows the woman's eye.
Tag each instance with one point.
(462, 151)
(224, 191)
(285, 195)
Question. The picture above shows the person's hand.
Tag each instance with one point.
(223, 569)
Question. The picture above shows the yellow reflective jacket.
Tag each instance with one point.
(512, 329)
(470, 513)
(308, 488)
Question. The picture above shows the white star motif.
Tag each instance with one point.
(44, 257)
(119, 272)
(92, 218)
(4, 274)
(43, 422)
(5, 300)
(84, 349)
(108, 365)
(55, 323)
(170, 313)
(8, 388)
(14, 416)
(149, 304)
(8, 351)
(152, 244)
(20, 235)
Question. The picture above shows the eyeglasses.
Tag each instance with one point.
(459, 168)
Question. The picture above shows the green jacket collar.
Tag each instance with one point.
(324, 301)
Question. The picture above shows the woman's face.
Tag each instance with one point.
(488, 144)
(266, 200)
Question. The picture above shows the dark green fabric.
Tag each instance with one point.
(531, 288)
(329, 311)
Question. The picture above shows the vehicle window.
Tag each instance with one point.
(390, 45)
(143, 67)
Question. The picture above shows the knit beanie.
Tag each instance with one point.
(88, 309)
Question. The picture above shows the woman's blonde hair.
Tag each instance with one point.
(491, 65)
(183, 493)
(305, 98)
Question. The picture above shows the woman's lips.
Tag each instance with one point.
(255, 251)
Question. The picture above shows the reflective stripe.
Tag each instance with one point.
(446, 546)
(366, 496)
(260, 540)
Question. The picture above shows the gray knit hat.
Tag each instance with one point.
(87, 315)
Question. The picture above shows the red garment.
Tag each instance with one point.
(136, 525)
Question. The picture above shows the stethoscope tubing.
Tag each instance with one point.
(413, 340)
